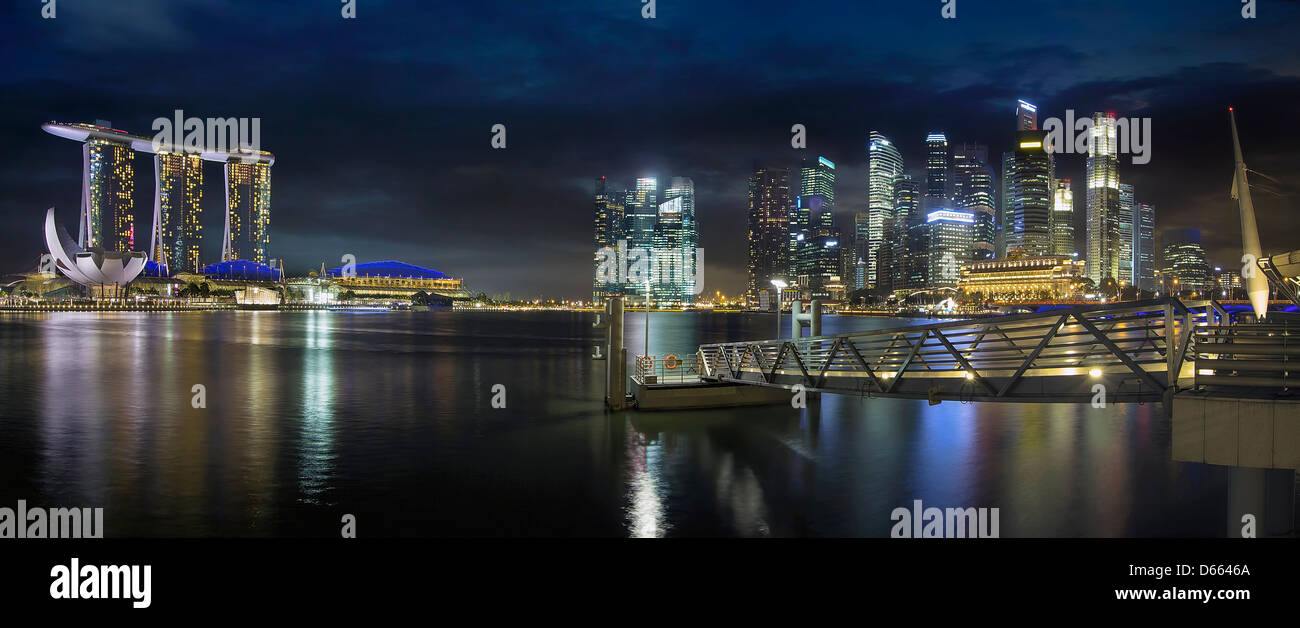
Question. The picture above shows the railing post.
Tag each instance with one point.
(1171, 345)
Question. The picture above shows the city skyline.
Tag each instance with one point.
(430, 205)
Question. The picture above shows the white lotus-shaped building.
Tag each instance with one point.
(93, 267)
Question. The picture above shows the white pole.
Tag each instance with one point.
(1256, 286)
(647, 317)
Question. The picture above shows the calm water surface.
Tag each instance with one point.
(388, 416)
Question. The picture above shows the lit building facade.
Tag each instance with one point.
(1031, 231)
(768, 232)
(1126, 235)
(1185, 269)
(248, 215)
(1063, 218)
(607, 229)
(110, 196)
(949, 250)
(1054, 277)
(676, 236)
(1144, 247)
(1103, 202)
(973, 192)
(911, 243)
(394, 279)
(938, 173)
(884, 166)
(180, 200)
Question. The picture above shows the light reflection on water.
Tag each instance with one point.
(388, 416)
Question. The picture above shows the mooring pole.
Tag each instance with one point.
(615, 356)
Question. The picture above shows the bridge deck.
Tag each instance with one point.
(1044, 357)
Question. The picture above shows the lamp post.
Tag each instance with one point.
(780, 286)
(647, 317)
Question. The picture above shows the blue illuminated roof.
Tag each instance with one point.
(241, 269)
(154, 269)
(390, 269)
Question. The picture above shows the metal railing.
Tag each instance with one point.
(669, 369)
(1251, 355)
(1059, 355)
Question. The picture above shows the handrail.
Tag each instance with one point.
(1125, 346)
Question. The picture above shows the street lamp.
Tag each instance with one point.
(647, 317)
(780, 286)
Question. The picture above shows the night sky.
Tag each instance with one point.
(381, 125)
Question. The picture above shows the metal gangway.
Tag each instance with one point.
(1135, 350)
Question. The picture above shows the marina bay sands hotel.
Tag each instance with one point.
(108, 216)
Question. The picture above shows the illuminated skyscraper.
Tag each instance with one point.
(1026, 116)
(1185, 268)
(769, 231)
(973, 191)
(814, 206)
(1063, 219)
(248, 211)
(1032, 196)
(950, 237)
(1144, 244)
(640, 213)
(607, 219)
(110, 194)
(675, 239)
(1126, 235)
(1103, 200)
(938, 173)
(818, 179)
(861, 249)
(180, 199)
(884, 165)
(911, 238)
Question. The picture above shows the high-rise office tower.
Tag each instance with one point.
(973, 191)
(884, 165)
(110, 194)
(1063, 219)
(861, 249)
(1103, 200)
(180, 200)
(1144, 245)
(1006, 204)
(911, 238)
(769, 229)
(1126, 235)
(818, 179)
(676, 236)
(1026, 116)
(248, 211)
(1026, 120)
(950, 237)
(1185, 268)
(640, 213)
(814, 207)
(1032, 192)
(607, 219)
(938, 173)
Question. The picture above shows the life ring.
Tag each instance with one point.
(671, 361)
(645, 362)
